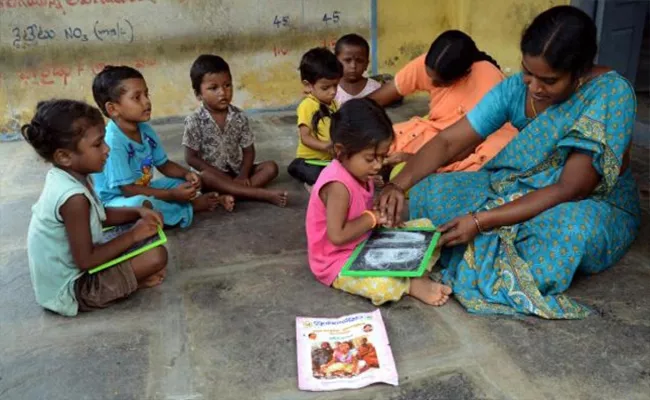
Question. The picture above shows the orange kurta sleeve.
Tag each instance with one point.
(413, 77)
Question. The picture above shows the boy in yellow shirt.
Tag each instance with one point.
(320, 72)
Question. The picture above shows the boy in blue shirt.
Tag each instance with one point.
(122, 95)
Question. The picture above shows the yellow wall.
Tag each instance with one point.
(162, 38)
(406, 28)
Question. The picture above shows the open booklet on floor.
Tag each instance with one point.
(343, 353)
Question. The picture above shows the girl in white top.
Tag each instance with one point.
(353, 52)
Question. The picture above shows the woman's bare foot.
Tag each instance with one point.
(429, 292)
(227, 202)
(277, 197)
(154, 280)
(206, 202)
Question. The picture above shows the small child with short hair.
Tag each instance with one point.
(218, 141)
(122, 95)
(340, 213)
(320, 73)
(65, 236)
(353, 51)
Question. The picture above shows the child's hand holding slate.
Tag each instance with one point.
(381, 220)
(149, 214)
(144, 229)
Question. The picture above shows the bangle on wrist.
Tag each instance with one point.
(374, 219)
(477, 222)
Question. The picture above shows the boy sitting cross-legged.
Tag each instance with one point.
(218, 140)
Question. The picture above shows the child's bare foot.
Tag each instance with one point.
(277, 197)
(154, 280)
(308, 188)
(429, 292)
(227, 202)
(206, 202)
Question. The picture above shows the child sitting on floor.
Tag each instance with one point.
(122, 95)
(320, 73)
(340, 214)
(218, 140)
(353, 52)
(65, 232)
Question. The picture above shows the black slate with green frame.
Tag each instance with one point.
(403, 252)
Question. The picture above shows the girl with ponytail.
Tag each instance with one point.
(451, 57)
(456, 74)
(66, 237)
(340, 214)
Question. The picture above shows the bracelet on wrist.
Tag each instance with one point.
(479, 227)
(372, 215)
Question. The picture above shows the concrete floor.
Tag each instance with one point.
(222, 325)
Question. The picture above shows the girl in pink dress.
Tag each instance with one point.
(340, 212)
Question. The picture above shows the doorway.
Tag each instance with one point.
(642, 83)
(624, 44)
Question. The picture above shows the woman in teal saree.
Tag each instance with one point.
(559, 199)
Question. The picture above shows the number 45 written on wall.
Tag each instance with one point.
(334, 17)
(279, 21)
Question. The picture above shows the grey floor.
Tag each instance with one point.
(222, 324)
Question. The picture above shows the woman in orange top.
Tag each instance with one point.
(456, 75)
(367, 352)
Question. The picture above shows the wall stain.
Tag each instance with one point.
(278, 84)
(412, 50)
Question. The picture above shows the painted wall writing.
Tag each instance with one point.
(62, 75)
(61, 5)
(54, 48)
(24, 36)
(284, 21)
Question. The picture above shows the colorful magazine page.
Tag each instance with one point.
(343, 353)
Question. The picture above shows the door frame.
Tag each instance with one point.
(596, 10)
(641, 135)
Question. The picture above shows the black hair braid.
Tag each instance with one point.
(452, 54)
(483, 56)
(322, 113)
